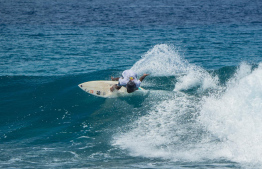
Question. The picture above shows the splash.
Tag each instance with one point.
(165, 60)
(162, 60)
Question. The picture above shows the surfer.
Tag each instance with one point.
(128, 80)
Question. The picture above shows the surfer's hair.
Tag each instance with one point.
(130, 86)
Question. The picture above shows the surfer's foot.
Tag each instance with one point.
(112, 88)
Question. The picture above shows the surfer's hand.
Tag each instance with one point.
(114, 78)
(142, 77)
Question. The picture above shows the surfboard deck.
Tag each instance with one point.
(102, 89)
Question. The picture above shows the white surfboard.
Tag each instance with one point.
(102, 89)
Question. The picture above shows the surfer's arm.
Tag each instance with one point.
(114, 78)
(142, 77)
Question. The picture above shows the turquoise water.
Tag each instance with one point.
(203, 103)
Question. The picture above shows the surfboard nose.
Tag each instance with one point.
(80, 85)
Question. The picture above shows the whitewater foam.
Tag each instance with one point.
(235, 116)
(158, 133)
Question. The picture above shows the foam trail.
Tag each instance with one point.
(235, 116)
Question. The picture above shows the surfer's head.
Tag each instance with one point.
(130, 86)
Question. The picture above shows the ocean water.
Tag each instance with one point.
(203, 106)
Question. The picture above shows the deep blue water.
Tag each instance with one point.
(203, 103)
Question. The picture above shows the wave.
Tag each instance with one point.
(221, 123)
